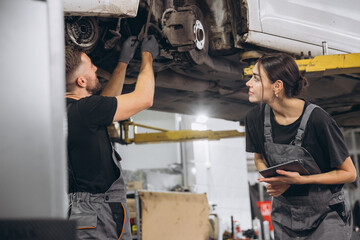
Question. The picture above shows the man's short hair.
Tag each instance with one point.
(72, 62)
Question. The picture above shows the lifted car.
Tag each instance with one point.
(206, 44)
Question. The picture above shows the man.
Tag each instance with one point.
(96, 186)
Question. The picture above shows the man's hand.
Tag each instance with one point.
(128, 49)
(149, 44)
(276, 189)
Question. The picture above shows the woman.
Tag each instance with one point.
(284, 128)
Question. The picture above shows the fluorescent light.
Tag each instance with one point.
(201, 118)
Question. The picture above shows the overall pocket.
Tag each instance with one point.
(306, 217)
(119, 215)
(281, 213)
(86, 219)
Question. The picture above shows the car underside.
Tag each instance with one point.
(204, 48)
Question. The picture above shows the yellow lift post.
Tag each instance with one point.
(325, 65)
(166, 135)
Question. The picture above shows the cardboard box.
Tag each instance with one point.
(174, 216)
(132, 208)
(134, 185)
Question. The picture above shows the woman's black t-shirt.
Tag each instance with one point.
(89, 146)
(322, 138)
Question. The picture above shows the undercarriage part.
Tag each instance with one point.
(178, 27)
(144, 30)
(82, 32)
(224, 66)
(239, 20)
(199, 35)
(199, 55)
(185, 29)
(102, 74)
(111, 43)
(168, 4)
(220, 31)
(350, 118)
(189, 84)
(181, 82)
(250, 57)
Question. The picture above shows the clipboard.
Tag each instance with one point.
(292, 166)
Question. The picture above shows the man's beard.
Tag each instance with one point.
(96, 89)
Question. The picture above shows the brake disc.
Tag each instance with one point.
(200, 52)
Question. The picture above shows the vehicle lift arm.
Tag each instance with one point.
(325, 65)
(120, 133)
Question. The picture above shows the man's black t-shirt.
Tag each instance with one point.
(89, 146)
(322, 138)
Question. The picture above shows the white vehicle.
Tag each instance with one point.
(205, 45)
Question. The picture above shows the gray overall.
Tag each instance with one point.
(102, 215)
(312, 211)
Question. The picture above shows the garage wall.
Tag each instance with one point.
(151, 156)
(220, 171)
(217, 168)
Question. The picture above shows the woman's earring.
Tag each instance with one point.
(276, 95)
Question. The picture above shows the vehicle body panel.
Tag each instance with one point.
(103, 8)
(313, 22)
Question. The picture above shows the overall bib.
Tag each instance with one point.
(305, 211)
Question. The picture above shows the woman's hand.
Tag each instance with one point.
(285, 177)
(276, 189)
(345, 173)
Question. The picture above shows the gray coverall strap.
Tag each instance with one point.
(300, 133)
(267, 125)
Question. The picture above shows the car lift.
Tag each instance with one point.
(120, 133)
(325, 65)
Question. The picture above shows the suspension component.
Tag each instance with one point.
(185, 30)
